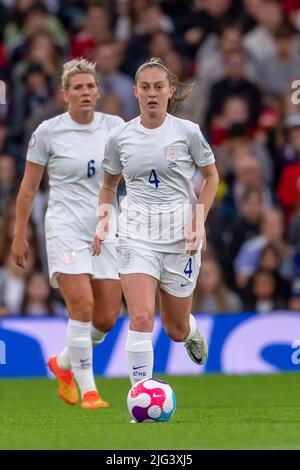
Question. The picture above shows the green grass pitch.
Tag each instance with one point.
(213, 412)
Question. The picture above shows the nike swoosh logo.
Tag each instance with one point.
(184, 285)
(157, 395)
(196, 358)
(84, 360)
(139, 367)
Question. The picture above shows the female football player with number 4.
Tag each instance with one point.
(71, 145)
(160, 236)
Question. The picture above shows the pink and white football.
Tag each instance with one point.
(151, 401)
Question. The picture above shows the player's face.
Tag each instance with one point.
(82, 94)
(153, 91)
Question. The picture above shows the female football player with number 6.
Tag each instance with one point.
(160, 236)
(71, 145)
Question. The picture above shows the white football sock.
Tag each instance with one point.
(139, 353)
(64, 361)
(97, 336)
(79, 344)
(193, 328)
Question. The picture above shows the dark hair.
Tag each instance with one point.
(236, 130)
(39, 8)
(220, 293)
(228, 24)
(56, 52)
(98, 4)
(49, 302)
(279, 2)
(3, 122)
(5, 237)
(270, 247)
(283, 31)
(33, 67)
(263, 272)
(178, 95)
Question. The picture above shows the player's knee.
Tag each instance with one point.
(82, 309)
(141, 321)
(105, 319)
(105, 324)
(175, 332)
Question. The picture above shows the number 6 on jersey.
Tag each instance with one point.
(153, 179)
(91, 168)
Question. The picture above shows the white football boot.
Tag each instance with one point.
(197, 348)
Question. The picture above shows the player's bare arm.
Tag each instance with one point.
(28, 189)
(206, 198)
(107, 197)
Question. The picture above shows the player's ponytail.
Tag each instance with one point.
(182, 90)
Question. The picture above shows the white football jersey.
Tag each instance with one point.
(73, 154)
(158, 166)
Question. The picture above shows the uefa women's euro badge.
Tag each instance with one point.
(32, 141)
(205, 143)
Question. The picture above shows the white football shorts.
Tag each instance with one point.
(177, 273)
(75, 257)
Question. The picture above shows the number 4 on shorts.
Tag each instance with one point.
(188, 269)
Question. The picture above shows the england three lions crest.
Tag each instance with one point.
(171, 153)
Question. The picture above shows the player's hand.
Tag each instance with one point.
(19, 251)
(101, 234)
(96, 246)
(194, 240)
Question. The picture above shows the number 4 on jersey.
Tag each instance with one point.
(153, 179)
(188, 269)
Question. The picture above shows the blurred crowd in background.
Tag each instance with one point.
(243, 58)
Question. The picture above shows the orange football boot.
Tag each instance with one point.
(67, 389)
(92, 400)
